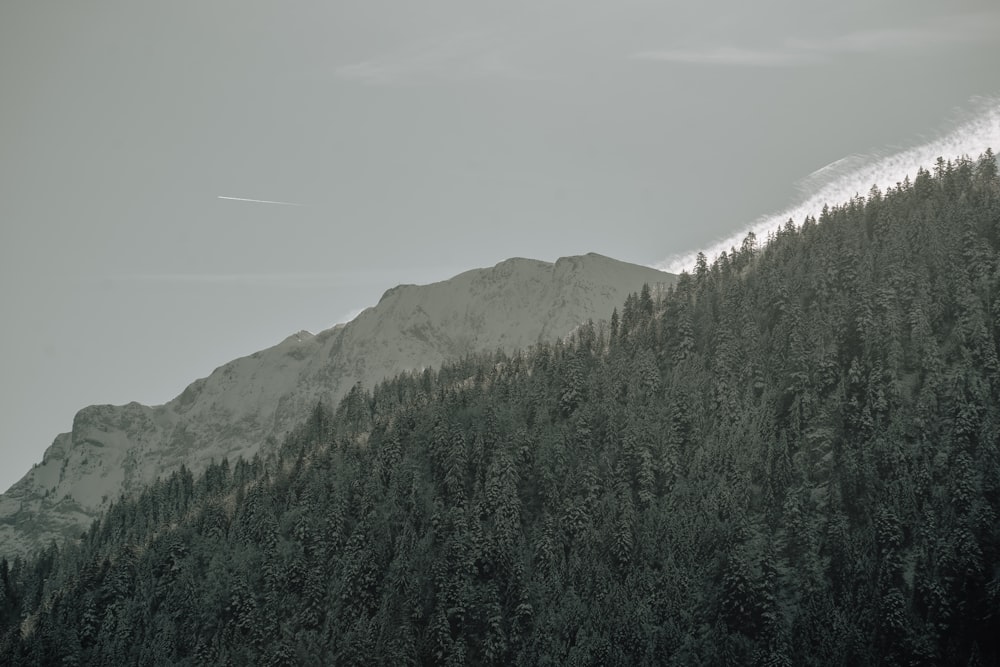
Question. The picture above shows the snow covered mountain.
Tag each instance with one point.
(118, 449)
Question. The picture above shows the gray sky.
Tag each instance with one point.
(420, 140)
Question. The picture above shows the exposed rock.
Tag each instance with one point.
(232, 412)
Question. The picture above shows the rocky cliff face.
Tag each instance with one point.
(232, 412)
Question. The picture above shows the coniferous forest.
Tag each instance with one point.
(789, 457)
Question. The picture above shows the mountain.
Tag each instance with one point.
(789, 457)
(255, 399)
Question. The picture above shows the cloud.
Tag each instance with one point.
(854, 175)
(462, 57)
(287, 280)
(728, 55)
(943, 31)
(940, 32)
(349, 316)
(280, 280)
(380, 277)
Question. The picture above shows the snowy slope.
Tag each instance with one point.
(117, 449)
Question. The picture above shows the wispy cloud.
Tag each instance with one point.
(278, 280)
(790, 52)
(349, 316)
(854, 175)
(462, 57)
(729, 55)
(943, 32)
(286, 280)
(379, 277)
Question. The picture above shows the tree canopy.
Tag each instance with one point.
(790, 457)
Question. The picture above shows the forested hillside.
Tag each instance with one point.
(792, 457)
(246, 407)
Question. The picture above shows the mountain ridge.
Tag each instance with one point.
(114, 449)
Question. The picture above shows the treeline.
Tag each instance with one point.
(791, 457)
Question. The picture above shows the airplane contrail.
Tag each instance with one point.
(261, 201)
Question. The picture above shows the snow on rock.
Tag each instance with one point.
(113, 450)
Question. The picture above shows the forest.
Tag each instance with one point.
(789, 457)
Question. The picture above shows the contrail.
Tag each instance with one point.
(854, 175)
(261, 201)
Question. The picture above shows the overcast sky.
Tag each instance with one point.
(419, 139)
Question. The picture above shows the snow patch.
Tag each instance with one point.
(854, 175)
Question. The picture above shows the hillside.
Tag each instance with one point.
(254, 400)
(790, 457)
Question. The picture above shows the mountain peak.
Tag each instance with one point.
(298, 337)
(255, 399)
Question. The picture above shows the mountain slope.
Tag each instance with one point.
(792, 457)
(115, 449)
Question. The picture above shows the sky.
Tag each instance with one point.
(416, 141)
